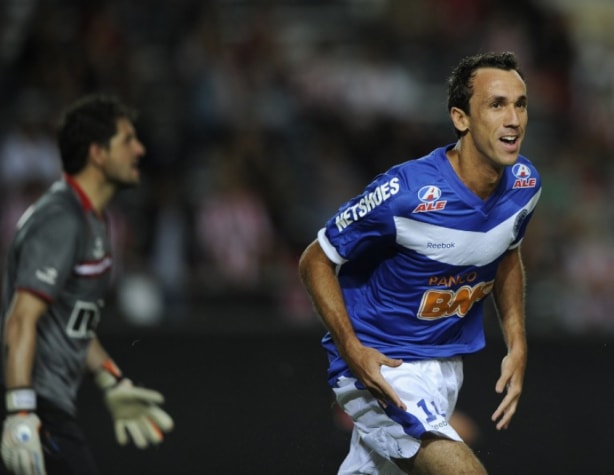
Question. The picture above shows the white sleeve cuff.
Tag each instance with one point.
(328, 248)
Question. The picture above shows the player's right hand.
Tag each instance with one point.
(21, 447)
(365, 364)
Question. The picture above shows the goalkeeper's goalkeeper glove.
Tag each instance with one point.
(21, 449)
(135, 410)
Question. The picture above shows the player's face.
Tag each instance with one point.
(123, 156)
(498, 118)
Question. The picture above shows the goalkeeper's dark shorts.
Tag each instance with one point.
(64, 445)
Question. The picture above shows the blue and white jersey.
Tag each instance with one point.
(417, 254)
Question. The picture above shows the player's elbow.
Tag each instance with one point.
(312, 261)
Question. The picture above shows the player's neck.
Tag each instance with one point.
(98, 191)
(478, 175)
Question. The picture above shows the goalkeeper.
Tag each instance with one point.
(58, 272)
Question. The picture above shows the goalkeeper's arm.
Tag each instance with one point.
(135, 410)
(20, 447)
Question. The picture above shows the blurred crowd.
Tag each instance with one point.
(261, 117)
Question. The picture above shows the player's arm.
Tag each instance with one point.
(20, 338)
(135, 410)
(318, 274)
(509, 294)
(21, 448)
(96, 356)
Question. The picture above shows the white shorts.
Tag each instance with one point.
(428, 388)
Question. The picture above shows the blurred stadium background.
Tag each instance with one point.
(260, 118)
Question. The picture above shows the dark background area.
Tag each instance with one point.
(259, 404)
(262, 117)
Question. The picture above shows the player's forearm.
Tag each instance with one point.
(20, 338)
(319, 278)
(509, 293)
(19, 347)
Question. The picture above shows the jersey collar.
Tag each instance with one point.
(85, 201)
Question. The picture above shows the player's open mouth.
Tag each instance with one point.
(510, 143)
(509, 139)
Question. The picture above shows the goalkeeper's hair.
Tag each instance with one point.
(460, 82)
(91, 119)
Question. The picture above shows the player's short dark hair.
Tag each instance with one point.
(91, 119)
(460, 82)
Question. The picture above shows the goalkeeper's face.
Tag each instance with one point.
(122, 156)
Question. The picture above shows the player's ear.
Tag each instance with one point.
(96, 153)
(460, 119)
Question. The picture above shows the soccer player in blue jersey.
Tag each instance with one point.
(57, 276)
(400, 274)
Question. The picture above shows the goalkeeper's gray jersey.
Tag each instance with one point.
(61, 252)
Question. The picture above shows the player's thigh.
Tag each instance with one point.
(443, 456)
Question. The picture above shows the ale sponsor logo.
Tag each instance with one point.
(429, 196)
(523, 177)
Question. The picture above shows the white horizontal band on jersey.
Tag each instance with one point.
(20, 400)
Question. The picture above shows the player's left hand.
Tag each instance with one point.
(137, 414)
(511, 381)
(135, 410)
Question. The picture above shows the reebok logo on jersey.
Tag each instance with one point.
(367, 203)
(429, 195)
(48, 275)
(440, 245)
(523, 176)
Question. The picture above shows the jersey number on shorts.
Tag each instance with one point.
(430, 417)
(83, 320)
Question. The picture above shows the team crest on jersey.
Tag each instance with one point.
(429, 195)
(523, 176)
